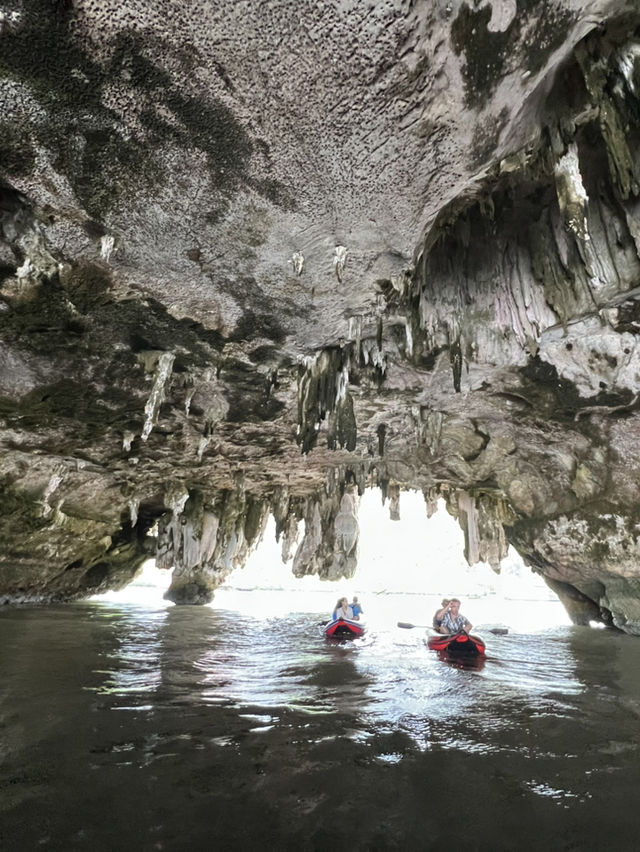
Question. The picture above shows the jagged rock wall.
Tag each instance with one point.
(543, 275)
(220, 299)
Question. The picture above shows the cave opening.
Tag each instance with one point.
(405, 567)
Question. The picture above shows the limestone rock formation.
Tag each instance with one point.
(256, 257)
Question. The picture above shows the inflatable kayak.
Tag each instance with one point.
(457, 643)
(343, 628)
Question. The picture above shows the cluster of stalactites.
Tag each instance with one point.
(482, 519)
(323, 390)
(205, 538)
(329, 547)
(323, 384)
(543, 248)
(366, 332)
(204, 541)
(611, 74)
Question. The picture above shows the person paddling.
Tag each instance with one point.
(453, 621)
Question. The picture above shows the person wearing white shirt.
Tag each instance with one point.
(343, 610)
(453, 621)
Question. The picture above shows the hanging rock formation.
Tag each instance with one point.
(253, 262)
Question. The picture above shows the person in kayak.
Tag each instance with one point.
(357, 609)
(439, 614)
(453, 621)
(343, 610)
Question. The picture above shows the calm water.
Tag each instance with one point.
(127, 727)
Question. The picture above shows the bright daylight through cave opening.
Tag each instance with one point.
(405, 567)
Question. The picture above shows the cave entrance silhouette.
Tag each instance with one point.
(405, 568)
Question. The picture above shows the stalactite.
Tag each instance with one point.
(329, 546)
(297, 262)
(187, 400)
(53, 484)
(373, 355)
(482, 519)
(290, 537)
(205, 539)
(203, 443)
(156, 397)
(339, 261)
(342, 430)
(169, 539)
(431, 497)
(322, 390)
(469, 522)
(408, 337)
(361, 477)
(394, 501)
(355, 331)
(280, 509)
(107, 243)
(383, 483)
(455, 355)
(572, 196)
(304, 561)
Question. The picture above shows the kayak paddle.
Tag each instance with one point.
(497, 631)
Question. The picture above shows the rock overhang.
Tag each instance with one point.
(403, 238)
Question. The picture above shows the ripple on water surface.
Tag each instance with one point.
(193, 721)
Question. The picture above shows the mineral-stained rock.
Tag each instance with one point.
(256, 258)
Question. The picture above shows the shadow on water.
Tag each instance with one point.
(182, 728)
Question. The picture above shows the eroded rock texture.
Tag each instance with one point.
(256, 257)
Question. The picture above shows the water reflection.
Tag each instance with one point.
(134, 663)
(194, 723)
(468, 662)
(190, 657)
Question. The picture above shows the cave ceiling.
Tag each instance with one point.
(258, 256)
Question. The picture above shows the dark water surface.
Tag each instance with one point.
(124, 727)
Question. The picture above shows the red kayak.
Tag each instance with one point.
(457, 643)
(343, 628)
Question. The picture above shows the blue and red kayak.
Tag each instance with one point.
(457, 643)
(343, 628)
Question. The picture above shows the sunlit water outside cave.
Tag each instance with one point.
(130, 723)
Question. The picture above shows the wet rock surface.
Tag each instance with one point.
(256, 260)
